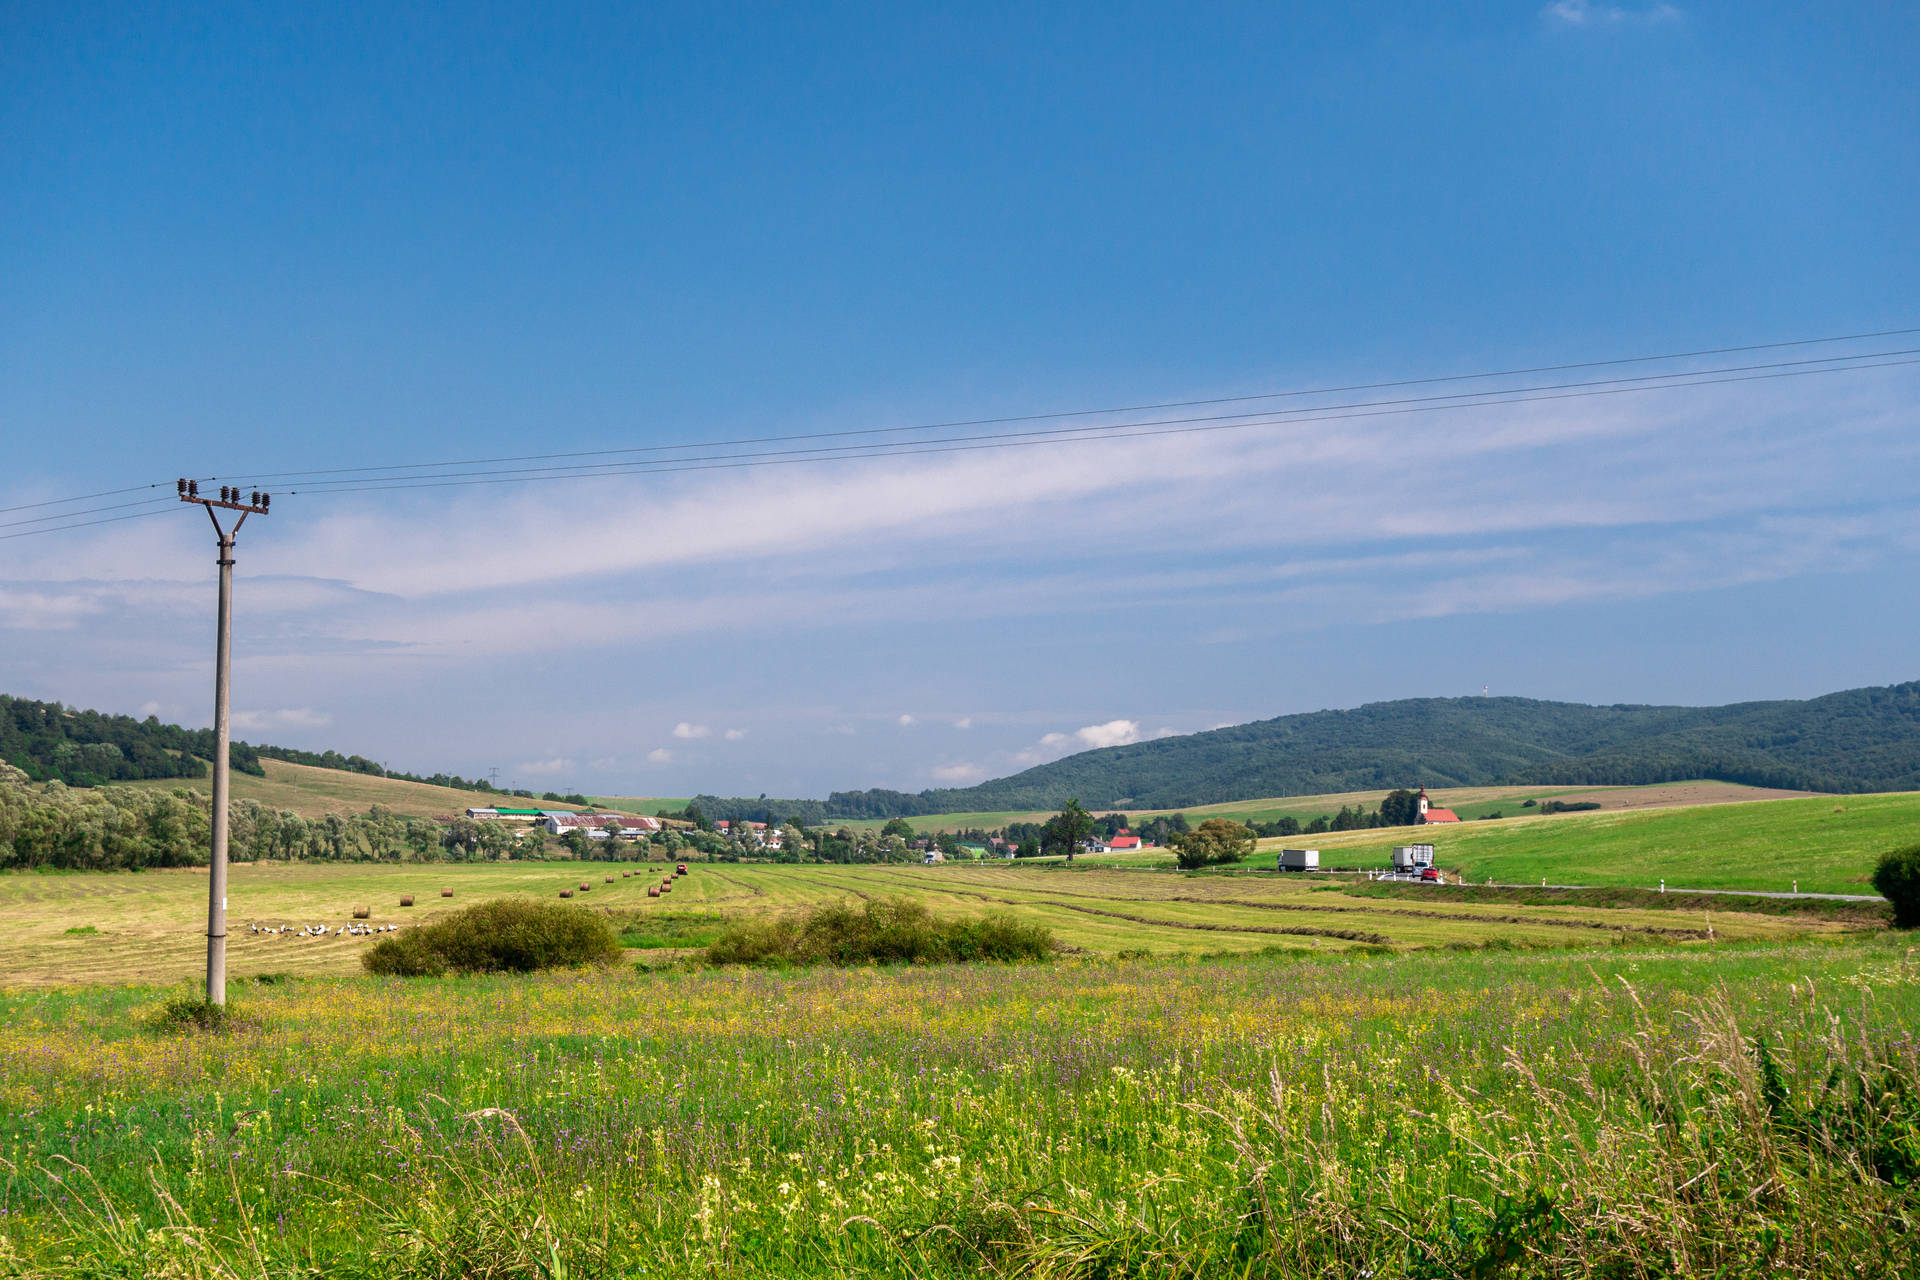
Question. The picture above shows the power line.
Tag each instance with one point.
(861, 443)
(30, 533)
(966, 444)
(80, 497)
(85, 511)
(1081, 413)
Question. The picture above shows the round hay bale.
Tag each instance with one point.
(653, 891)
(361, 913)
(566, 893)
(406, 900)
(585, 885)
(446, 893)
(609, 879)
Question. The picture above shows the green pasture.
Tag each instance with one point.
(1828, 844)
(1469, 802)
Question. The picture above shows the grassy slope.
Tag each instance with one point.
(310, 792)
(1469, 802)
(1828, 844)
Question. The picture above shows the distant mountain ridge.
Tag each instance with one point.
(1857, 740)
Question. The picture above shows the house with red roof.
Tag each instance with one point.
(1125, 842)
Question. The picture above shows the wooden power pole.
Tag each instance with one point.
(230, 499)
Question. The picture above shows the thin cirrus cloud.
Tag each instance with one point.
(547, 768)
(1529, 486)
(1501, 510)
(1585, 13)
(284, 718)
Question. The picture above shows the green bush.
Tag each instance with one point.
(197, 1013)
(1898, 880)
(879, 931)
(508, 935)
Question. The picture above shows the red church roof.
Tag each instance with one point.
(1442, 815)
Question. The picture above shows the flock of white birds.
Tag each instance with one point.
(322, 931)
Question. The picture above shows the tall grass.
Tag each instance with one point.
(1619, 1113)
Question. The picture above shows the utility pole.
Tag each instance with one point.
(257, 503)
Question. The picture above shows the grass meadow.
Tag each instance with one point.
(1468, 802)
(149, 927)
(1230, 1073)
(1828, 844)
(1618, 1111)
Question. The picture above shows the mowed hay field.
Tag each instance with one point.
(311, 792)
(149, 927)
(1619, 1111)
(1828, 844)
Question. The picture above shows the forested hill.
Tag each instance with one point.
(48, 741)
(1859, 740)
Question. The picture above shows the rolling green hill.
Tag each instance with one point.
(1856, 741)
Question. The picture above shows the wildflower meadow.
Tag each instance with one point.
(1736, 1109)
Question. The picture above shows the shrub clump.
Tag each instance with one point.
(197, 1013)
(880, 931)
(1897, 879)
(508, 935)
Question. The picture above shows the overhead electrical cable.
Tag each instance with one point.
(963, 444)
(1265, 418)
(141, 515)
(882, 442)
(264, 477)
(82, 497)
(86, 511)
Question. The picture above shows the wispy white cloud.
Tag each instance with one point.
(906, 720)
(734, 735)
(1586, 13)
(659, 755)
(284, 718)
(546, 768)
(1112, 733)
(964, 722)
(959, 774)
(685, 730)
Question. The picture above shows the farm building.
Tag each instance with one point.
(594, 824)
(1125, 842)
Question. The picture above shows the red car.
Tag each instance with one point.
(1429, 873)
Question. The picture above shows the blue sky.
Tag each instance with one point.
(257, 238)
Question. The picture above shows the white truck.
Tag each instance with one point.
(1299, 860)
(1411, 859)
